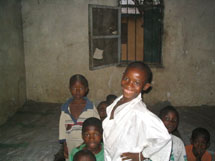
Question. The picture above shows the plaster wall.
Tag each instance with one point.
(56, 47)
(12, 70)
(188, 55)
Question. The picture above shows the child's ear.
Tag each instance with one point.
(146, 86)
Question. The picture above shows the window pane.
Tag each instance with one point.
(105, 21)
(105, 51)
(104, 36)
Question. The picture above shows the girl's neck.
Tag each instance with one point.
(75, 100)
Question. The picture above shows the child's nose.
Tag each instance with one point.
(129, 83)
(91, 137)
(78, 90)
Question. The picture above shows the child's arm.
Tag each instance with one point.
(156, 138)
(62, 128)
(198, 154)
(65, 150)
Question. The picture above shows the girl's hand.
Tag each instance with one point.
(132, 156)
(65, 150)
(198, 153)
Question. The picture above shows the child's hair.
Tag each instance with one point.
(85, 153)
(201, 132)
(144, 67)
(92, 121)
(110, 98)
(164, 111)
(102, 102)
(80, 78)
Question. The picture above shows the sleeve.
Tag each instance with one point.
(106, 156)
(182, 155)
(159, 141)
(95, 112)
(62, 128)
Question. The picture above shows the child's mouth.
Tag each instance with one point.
(128, 91)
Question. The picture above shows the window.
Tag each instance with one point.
(104, 36)
(131, 32)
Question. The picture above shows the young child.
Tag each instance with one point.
(200, 141)
(131, 131)
(170, 117)
(92, 136)
(102, 109)
(74, 112)
(110, 98)
(84, 155)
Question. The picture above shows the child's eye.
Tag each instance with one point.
(137, 83)
(166, 119)
(175, 120)
(86, 135)
(125, 78)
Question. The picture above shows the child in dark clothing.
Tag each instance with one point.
(110, 98)
(200, 141)
(84, 155)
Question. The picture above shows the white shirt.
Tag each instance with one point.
(135, 129)
(178, 150)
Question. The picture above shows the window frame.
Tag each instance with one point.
(93, 37)
(154, 42)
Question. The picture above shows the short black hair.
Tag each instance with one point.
(110, 98)
(92, 121)
(142, 66)
(80, 78)
(102, 102)
(201, 132)
(86, 153)
(164, 111)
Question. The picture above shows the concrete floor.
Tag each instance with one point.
(32, 133)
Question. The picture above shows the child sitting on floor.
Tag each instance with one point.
(200, 142)
(84, 155)
(170, 117)
(92, 136)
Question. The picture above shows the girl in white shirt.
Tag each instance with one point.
(170, 117)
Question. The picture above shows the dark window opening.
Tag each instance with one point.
(130, 32)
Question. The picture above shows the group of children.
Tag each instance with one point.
(123, 128)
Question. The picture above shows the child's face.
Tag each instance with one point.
(133, 82)
(199, 145)
(78, 90)
(92, 138)
(170, 120)
(102, 110)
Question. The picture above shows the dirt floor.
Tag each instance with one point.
(32, 133)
